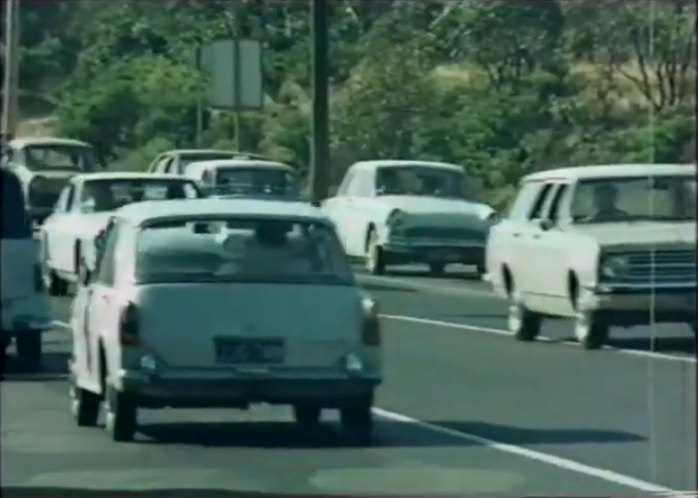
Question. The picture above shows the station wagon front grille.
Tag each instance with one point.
(660, 266)
(443, 233)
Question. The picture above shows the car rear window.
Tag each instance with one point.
(15, 220)
(242, 250)
(108, 195)
(257, 180)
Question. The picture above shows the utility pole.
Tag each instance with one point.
(320, 156)
(11, 76)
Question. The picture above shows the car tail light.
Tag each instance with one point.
(129, 326)
(38, 279)
(370, 324)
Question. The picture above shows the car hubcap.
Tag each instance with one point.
(581, 326)
(372, 255)
(514, 317)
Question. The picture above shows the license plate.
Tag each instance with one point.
(243, 351)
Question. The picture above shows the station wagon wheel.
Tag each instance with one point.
(84, 405)
(523, 324)
(121, 415)
(591, 329)
(307, 415)
(375, 256)
(357, 420)
(28, 343)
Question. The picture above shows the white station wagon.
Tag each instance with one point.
(223, 302)
(82, 211)
(401, 212)
(605, 245)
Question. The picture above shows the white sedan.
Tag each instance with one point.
(398, 212)
(82, 210)
(223, 303)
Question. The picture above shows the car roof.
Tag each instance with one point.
(238, 163)
(144, 212)
(19, 143)
(611, 171)
(396, 163)
(126, 175)
(191, 152)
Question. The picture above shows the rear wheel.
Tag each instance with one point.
(307, 415)
(375, 255)
(523, 323)
(28, 345)
(84, 406)
(357, 419)
(121, 415)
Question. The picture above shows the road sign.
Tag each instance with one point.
(234, 72)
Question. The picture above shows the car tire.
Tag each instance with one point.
(436, 269)
(307, 415)
(591, 329)
(356, 418)
(121, 415)
(84, 405)
(375, 255)
(523, 323)
(29, 347)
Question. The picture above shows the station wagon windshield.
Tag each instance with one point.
(108, 195)
(256, 180)
(60, 157)
(656, 198)
(241, 250)
(419, 180)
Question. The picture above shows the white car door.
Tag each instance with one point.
(549, 246)
(359, 211)
(101, 314)
(505, 239)
(336, 208)
(530, 271)
(57, 239)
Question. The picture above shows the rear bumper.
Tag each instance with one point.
(187, 390)
(435, 252)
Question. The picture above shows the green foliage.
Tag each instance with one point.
(502, 88)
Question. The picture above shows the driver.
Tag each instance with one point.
(605, 200)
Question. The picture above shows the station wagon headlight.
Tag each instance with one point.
(370, 323)
(612, 266)
(395, 219)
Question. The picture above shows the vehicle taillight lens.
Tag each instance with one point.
(370, 325)
(38, 279)
(128, 326)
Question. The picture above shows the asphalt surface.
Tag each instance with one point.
(464, 409)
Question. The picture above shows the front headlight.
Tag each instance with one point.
(395, 219)
(612, 266)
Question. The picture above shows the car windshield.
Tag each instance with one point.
(15, 222)
(60, 157)
(256, 180)
(242, 250)
(108, 195)
(618, 200)
(419, 180)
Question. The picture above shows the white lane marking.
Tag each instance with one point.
(489, 330)
(562, 463)
(439, 289)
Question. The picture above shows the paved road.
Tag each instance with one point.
(465, 409)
